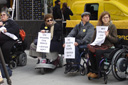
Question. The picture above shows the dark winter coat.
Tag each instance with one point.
(56, 45)
(57, 12)
(66, 14)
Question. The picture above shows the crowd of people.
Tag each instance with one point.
(83, 32)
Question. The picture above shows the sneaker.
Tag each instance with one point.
(93, 75)
(89, 74)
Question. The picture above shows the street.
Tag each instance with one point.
(27, 75)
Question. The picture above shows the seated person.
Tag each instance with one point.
(83, 33)
(6, 42)
(111, 38)
(55, 29)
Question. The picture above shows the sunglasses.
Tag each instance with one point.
(3, 14)
(49, 20)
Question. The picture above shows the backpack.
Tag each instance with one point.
(22, 34)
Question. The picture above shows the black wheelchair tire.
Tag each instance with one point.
(22, 59)
(114, 67)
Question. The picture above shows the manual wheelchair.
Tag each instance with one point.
(106, 63)
(120, 64)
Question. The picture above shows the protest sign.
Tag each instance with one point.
(43, 44)
(69, 51)
(100, 35)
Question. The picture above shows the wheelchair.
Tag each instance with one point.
(107, 63)
(120, 64)
(72, 68)
(18, 56)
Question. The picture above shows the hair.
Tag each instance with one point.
(64, 6)
(47, 16)
(100, 22)
(6, 13)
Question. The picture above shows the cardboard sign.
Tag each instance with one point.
(69, 51)
(43, 44)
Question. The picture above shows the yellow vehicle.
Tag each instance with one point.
(118, 10)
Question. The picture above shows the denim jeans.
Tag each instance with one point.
(77, 55)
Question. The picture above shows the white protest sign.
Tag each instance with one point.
(100, 35)
(69, 50)
(43, 44)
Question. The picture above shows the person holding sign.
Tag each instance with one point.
(100, 43)
(83, 33)
(49, 26)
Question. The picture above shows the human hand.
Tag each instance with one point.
(43, 31)
(106, 33)
(76, 44)
(63, 45)
(5, 30)
(1, 23)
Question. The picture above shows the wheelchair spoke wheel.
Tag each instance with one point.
(117, 72)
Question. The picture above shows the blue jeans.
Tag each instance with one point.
(77, 55)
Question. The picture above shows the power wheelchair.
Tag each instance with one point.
(18, 55)
(106, 64)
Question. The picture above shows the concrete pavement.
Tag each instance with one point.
(27, 75)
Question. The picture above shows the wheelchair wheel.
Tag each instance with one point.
(12, 64)
(119, 65)
(22, 59)
(42, 71)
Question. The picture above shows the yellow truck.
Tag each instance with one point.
(118, 10)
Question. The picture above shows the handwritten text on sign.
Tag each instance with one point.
(69, 51)
(100, 35)
(43, 44)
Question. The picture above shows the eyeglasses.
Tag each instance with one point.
(3, 14)
(49, 20)
(105, 17)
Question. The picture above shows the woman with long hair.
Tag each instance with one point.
(111, 38)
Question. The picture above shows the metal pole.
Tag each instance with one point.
(45, 7)
(4, 68)
(32, 11)
(17, 9)
(13, 8)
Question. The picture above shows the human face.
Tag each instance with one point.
(85, 18)
(106, 19)
(49, 21)
(4, 16)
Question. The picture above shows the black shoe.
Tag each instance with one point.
(38, 61)
(67, 69)
(75, 70)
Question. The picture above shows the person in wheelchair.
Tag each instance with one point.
(6, 43)
(111, 38)
(83, 33)
(49, 26)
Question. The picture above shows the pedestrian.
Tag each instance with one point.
(57, 11)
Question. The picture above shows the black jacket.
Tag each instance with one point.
(57, 12)
(56, 45)
(12, 27)
(66, 14)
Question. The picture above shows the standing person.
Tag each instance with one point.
(83, 33)
(6, 42)
(55, 29)
(57, 11)
(66, 12)
(111, 38)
